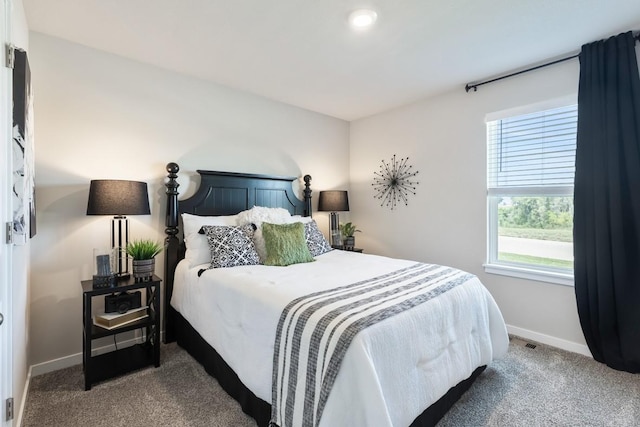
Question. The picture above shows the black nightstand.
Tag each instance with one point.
(342, 248)
(108, 365)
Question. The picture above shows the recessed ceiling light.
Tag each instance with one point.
(362, 18)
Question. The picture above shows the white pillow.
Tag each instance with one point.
(302, 219)
(256, 216)
(198, 251)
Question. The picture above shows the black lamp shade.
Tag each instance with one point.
(118, 197)
(333, 201)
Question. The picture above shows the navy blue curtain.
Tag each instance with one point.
(607, 202)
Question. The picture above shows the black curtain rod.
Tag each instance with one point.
(474, 86)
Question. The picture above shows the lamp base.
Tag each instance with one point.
(334, 229)
(119, 242)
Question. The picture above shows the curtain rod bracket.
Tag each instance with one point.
(468, 87)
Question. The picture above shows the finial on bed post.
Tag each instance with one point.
(172, 248)
(307, 196)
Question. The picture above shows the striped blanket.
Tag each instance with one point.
(315, 331)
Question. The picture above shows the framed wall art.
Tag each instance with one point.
(23, 190)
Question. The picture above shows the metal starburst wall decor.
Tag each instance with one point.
(394, 182)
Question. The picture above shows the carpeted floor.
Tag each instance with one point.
(529, 387)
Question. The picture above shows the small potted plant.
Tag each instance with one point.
(143, 253)
(347, 231)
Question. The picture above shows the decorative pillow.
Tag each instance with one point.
(302, 219)
(285, 244)
(316, 242)
(231, 245)
(259, 214)
(198, 251)
(256, 216)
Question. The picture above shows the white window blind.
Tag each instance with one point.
(532, 150)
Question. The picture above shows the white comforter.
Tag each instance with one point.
(392, 370)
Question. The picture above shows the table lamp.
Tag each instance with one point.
(118, 198)
(334, 201)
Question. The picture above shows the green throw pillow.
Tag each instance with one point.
(285, 244)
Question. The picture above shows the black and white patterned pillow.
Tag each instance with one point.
(231, 245)
(316, 242)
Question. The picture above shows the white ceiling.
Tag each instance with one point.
(302, 52)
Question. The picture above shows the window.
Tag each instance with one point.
(530, 173)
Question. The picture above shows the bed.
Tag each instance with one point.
(407, 368)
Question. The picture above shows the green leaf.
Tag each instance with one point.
(348, 229)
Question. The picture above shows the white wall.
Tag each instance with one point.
(445, 223)
(102, 116)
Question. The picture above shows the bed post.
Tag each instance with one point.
(307, 196)
(172, 247)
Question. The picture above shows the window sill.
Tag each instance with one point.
(530, 274)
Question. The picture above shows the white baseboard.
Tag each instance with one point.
(56, 364)
(76, 359)
(571, 346)
(23, 402)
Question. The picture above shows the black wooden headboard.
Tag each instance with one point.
(221, 193)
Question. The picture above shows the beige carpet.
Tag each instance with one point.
(530, 387)
(178, 393)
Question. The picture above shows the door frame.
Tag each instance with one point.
(6, 249)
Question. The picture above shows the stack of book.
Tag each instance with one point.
(116, 320)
